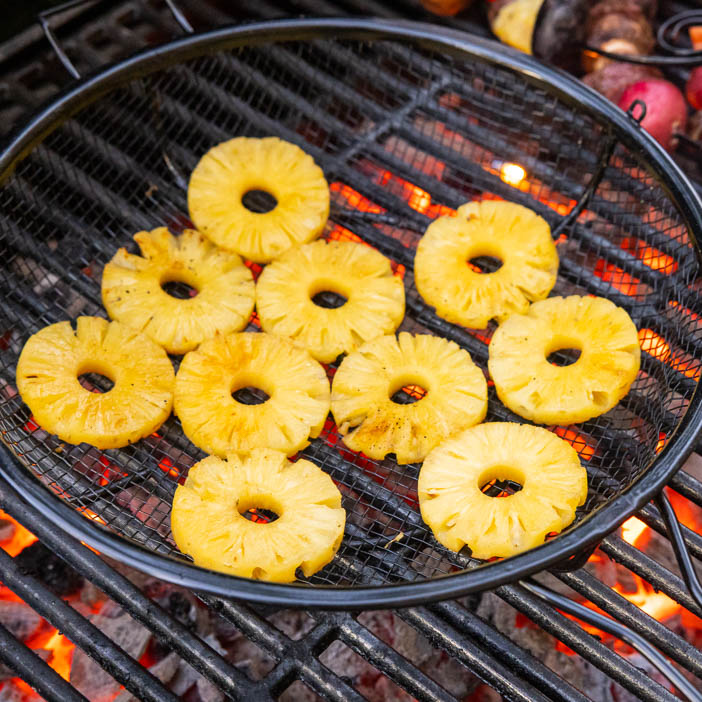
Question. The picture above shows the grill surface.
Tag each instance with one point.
(403, 134)
(509, 668)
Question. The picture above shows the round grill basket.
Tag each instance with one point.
(408, 122)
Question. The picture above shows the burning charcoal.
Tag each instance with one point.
(187, 679)
(299, 692)
(11, 693)
(164, 670)
(86, 675)
(50, 569)
(408, 642)
(19, 619)
(7, 673)
(7, 530)
(531, 637)
(293, 623)
(370, 682)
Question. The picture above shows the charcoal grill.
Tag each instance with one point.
(407, 122)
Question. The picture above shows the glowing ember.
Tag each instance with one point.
(633, 530)
(656, 604)
(354, 198)
(61, 654)
(20, 539)
(654, 344)
(91, 515)
(617, 278)
(512, 173)
(653, 258)
(578, 441)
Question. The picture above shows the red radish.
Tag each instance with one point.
(693, 89)
(666, 109)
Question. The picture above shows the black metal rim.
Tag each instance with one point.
(590, 531)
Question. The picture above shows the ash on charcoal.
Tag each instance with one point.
(50, 569)
(86, 675)
(293, 623)
(11, 693)
(19, 619)
(164, 670)
(187, 683)
(7, 530)
(147, 508)
(299, 692)
(408, 642)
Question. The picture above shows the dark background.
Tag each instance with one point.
(16, 15)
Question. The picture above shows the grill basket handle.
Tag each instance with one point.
(44, 17)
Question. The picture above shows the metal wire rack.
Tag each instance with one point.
(407, 125)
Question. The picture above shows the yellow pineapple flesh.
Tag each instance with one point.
(515, 235)
(297, 386)
(137, 404)
(375, 298)
(537, 390)
(208, 522)
(553, 483)
(132, 289)
(367, 379)
(233, 168)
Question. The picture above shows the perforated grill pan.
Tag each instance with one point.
(408, 122)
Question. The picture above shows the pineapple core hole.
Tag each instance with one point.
(259, 201)
(96, 382)
(179, 289)
(329, 299)
(485, 264)
(408, 393)
(563, 356)
(259, 515)
(250, 395)
(501, 481)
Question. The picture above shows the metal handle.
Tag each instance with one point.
(680, 547)
(43, 19)
(636, 641)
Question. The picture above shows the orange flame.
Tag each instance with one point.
(61, 654)
(19, 540)
(634, 531)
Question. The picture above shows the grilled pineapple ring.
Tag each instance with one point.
(375, 297)
(548, 394)
(460, 514)
(132, 292)
(137, 404)
(367, 379)
(208, 524)
(514, 234)
(296, 385)
(233, 168)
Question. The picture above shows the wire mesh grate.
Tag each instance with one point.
(404, 135)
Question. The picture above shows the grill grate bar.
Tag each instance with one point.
(652, 630)
(34, 671)
(83, 633)
(651, 571)
(168, 630)
(515, 657)
(652, 518)
(587, 646)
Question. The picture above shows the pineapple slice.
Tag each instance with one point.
(233, 168)
(375, 297)
(548, 394)
(460, 514)
(208, 523)
(296, 385)
(132, 292)
(456, 395)
(138, 403)
(514, 234)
